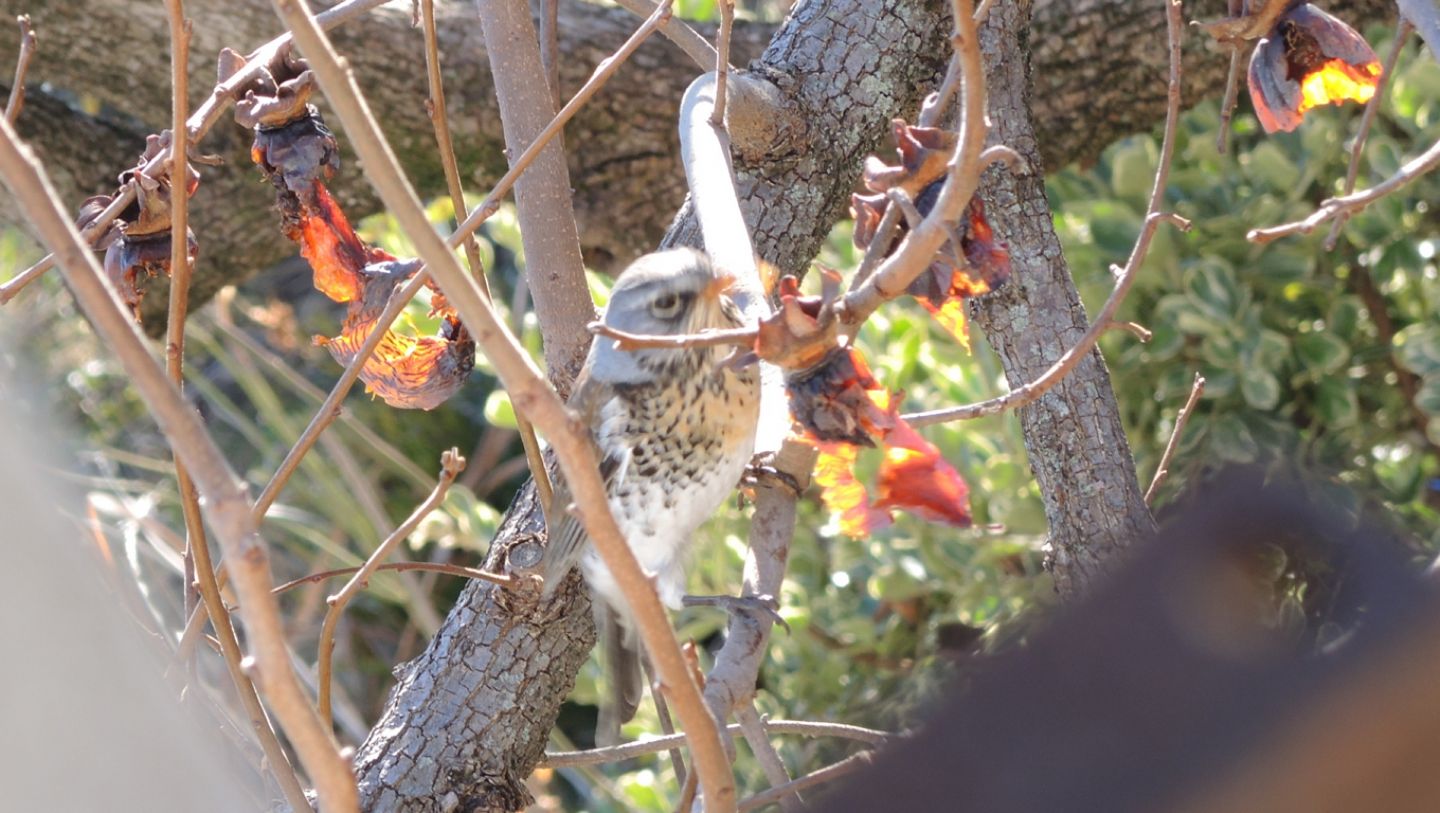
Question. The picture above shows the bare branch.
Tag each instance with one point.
(1357, 149)
(1349, 204)
(451, 464)
(1125, 277)
(1232, 84)
(963, 174)
(1135, 329)
(402, 567)
(1162, 471)
(330, 409)
(446, 146)
(844, 767)
(1246, 26)
(754, 730)
(603, 72)
(722, 61)
(738, 336)
(530, 394)
(731, 682)
(230, 511)
(677, 31)
(630, 750)
(28, 43)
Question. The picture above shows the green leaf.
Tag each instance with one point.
(1231, 440)
(1428, 398)
(1321, 353)
(1335, 401)
(1270, 165)
(1211, 286)
(1344, 317)
(1133, 168)
(1260, 388)
(1418, 347)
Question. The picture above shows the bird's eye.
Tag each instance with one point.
(665, 306)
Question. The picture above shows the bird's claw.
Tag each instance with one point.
(751, 606)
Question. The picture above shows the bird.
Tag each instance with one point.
(674, 430)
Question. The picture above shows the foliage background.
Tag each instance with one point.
(1302, 373)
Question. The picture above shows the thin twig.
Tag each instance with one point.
(597, 80)
(451, 464)
(1232, 84)
(530, 394)
(667, 724)
(1368, 118)
(1162, 471)
(28, 43)
(384, 451)
(677, 31)
(98, 226)
(1349, 204)
(770, 763)
(330, 409)
(401, 567)
(1135, 329)
(932, 111)
(197, 550)
(844, 767)
(1125, 277)
(445, 144)
(180, 272)
(717, 337)
(630, 750)
(230, 512)
(205, 117)
(722, 60)
(1243, 27)
(920, 245)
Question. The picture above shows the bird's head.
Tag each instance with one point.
(667, 293)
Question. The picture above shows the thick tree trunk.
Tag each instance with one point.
(1093, 61)
(1073, 434)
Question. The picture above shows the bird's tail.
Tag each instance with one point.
(623, 674)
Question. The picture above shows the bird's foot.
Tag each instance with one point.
(747, 606)
(762, 471)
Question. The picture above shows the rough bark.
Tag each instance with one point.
(1076, 444)
(469, 718)
(1092, 60)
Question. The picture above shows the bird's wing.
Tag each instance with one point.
(567, 534)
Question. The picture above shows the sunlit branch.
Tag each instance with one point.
(1125, 277)
(1162, 470)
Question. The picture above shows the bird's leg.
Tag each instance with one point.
(746, 606)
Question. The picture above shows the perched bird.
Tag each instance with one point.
(674, 430)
